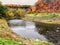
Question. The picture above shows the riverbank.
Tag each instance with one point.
(49, 28)
(6, 32)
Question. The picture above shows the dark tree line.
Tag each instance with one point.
(3, 10)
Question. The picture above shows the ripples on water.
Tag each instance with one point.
(26, 29)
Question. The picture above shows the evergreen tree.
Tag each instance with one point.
(3, 10)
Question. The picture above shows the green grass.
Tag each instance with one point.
(45, 15)
(4, 41)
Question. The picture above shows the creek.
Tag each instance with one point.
(26, 29)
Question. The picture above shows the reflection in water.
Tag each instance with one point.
(26, 29)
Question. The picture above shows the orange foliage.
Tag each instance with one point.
(47, 7)
(33, 8)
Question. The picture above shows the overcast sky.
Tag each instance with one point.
(22, 2)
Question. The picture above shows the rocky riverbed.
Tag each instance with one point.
(52, 34)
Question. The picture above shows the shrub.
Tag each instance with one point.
(10, 13)
(20, 12)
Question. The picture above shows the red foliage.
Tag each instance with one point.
(48, 7)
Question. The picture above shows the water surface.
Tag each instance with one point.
(25, 29)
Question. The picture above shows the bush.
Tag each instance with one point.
(20, 12)
(10, 13)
